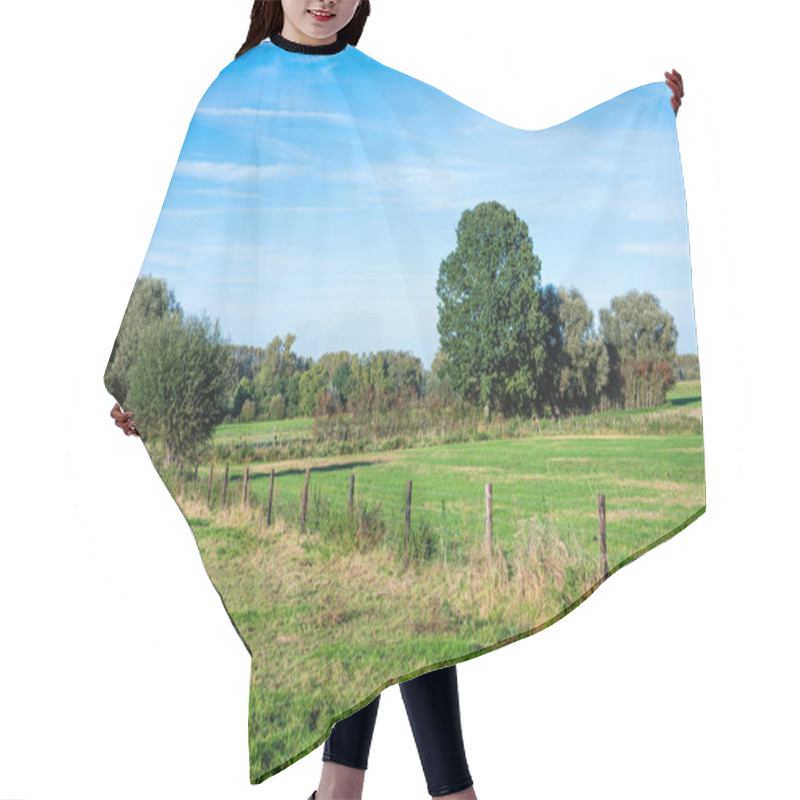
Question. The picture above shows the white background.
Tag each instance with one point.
(120, 673)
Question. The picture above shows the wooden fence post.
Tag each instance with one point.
(305, 502)
(208, 493)
(352, 486)
(269, 502)
(601, 507)
(225, 487)
(489, 519)
(244, 491)
(408, 525)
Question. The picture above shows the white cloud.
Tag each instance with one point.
(246, 111)
(666, 248)
(226, 171)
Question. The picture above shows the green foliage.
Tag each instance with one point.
(248, 412)
(491, 324)
(640, 337)
(552, 303)
(179, 381)
(424, 422)
(582, 362)
(279, 372)
(687, 367)
(277, 407)
(388, 377)
(312, 385)
(377, 420)
(244, 391)
(637, 327)
(421, 542)
(645, 382)
(507, 345)
(362, 528)
(343, 383)
(150, 301)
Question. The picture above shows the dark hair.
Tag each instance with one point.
(266, 18)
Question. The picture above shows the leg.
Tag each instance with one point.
(345, 755)
(432, 704)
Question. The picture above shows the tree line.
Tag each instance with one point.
(507, 345)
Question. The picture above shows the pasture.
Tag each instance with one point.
(338, 593)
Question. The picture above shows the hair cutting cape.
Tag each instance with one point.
(419, 381)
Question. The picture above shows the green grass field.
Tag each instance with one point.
(338, 595)
(261, 431)
(557, 477)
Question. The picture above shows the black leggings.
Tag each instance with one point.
(432, 706)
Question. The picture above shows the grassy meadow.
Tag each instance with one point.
(338, 594)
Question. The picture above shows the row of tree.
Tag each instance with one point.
(513, 345)
(507, 344)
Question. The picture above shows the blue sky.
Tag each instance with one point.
(318, 195)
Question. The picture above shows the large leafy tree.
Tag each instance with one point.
(312, 384)
(438, 384)
(640, 337)
(491, 325)
(150, 300)
(637, 327)
(179, 382)
(244, 392)
(279, 374)
(554, 349)
(584, 358)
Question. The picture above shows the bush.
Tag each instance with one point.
(363, 528)
(276, 408)
(421, 542)
(248, 411)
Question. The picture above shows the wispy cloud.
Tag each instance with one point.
(308, 198)
(227, 171)
(666, 248)
(245, 111)
(223, 191)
